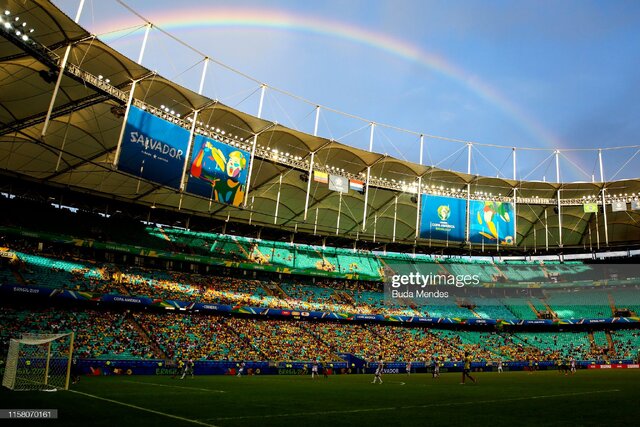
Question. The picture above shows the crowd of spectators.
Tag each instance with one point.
(109, 334)
(196, 336)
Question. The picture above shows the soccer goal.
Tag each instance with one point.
(39, 362)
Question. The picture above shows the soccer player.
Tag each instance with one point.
(188, 369)
(325, 371)
(192, 367)
(75, 371)
(467, 368)
(314, 369)
(378, 375)
(185, 368)
(409, 368)
(435, 368)
(179, 368)
(573, 365)
(241, 368)
(500, 366)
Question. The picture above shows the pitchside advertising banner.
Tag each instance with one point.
(153, 148)
(444, 218)
(218, 171)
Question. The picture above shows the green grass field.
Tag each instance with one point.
(591, 398)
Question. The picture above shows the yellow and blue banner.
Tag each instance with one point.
(491, 222)
(218, 171)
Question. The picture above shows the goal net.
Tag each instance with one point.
(39, 362)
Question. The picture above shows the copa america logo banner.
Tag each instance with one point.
(443, 218)
(338, 183)
(218, 171)
(153, 148)
(491, 222)
(619, 206)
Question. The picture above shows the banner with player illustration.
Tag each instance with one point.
(443, 218)
(218, 171)
(153, 148)
(491, 222)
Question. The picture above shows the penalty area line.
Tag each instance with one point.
(140, 408)
(395, 408)
(173, 386)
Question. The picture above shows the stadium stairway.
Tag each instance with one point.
(612, 304)
(549, 309)
(157, 351)
(19, 277)
(469, 307)
(534, 309)
(612, 347)
(274, 290)
(342, 297)
(592, 340)
(242, 249)
(247, 340)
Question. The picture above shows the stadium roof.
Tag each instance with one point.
(79, 146)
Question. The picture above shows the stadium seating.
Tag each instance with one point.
(360, 297)
(627, 343)
(196, 336)
(627, 297)
(492, 308)
(99, 334)
(520, 308)
(557, 345)
(582, 304)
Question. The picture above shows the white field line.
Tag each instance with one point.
(140, 408)
(173, 386)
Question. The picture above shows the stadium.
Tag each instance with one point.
(169, 259)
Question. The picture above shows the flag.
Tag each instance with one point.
(356, 185)
(338, 183)
(635, 205)
(590, 207)
(322, 177)
(618, 206)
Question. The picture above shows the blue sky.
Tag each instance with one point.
(525, 74)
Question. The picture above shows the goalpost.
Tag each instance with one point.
(39, 362)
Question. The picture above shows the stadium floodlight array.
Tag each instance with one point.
(39, 362)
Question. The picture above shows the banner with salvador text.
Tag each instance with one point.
(443, 218)
(153, 148)
(218, 171)
(491, 222)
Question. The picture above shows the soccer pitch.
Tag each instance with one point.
(591, 398)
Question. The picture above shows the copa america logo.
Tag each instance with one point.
(444, 211)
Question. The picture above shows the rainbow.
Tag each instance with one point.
(207, 18)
